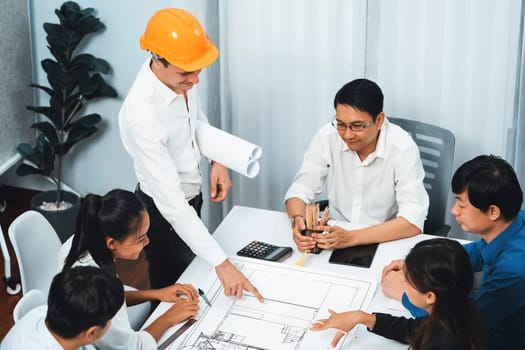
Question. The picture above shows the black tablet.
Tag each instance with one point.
(361, 255)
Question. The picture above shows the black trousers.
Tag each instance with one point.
(167, 254)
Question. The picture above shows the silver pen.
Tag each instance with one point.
(203, 296)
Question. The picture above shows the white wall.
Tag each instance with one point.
(391, 57)
(100, 163)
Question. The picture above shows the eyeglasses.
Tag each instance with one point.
(357, 127)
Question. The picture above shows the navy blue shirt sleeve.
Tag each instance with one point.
(474, 254)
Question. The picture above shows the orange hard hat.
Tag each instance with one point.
(177, 36)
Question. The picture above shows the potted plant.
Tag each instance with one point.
(74, 79)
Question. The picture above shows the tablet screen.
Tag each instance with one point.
(361, 255)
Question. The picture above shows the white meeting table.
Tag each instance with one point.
(243, 225)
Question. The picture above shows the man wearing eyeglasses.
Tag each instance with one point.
(371, 170)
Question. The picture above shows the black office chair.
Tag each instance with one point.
(436, 148)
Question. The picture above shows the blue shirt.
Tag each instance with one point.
(501, 296)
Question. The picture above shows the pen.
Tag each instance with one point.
(201, 293)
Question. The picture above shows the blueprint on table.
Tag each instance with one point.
(294, 298)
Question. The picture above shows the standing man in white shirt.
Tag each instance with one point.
(372, 172)
(157, 127)
(81, 303)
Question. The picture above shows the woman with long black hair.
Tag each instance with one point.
(439, 279)
(115, 226)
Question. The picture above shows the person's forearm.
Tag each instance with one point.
(369, 320)
(295, 207)
(139, 296)
(158, 327)
(388, 231)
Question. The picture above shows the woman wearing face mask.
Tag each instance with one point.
(439, 279)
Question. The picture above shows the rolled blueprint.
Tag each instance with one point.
(231, 151)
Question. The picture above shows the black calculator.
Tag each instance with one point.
(265, 251)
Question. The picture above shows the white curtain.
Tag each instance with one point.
(208, 14)
(450, 63)
(517, 152)
(281, 64)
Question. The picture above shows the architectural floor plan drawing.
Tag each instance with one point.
(294, 298)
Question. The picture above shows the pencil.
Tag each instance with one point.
(324, 217)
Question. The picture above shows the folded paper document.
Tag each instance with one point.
(229, 150)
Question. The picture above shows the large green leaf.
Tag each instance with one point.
(58, 41)
(76, 134)
(72, 109)
(26, 169)
(92, 63)
(46, 89)
(25, 150)
(56, 107)
(71, 16)
(99, 88)
(70, 13)
(41, 110)
(87, 121)
(55, 74)
(41, 157)
(48, 130)
(51, 67)
(76, 78)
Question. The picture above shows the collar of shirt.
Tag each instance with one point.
(164, 92)
(379, 152)
(490, 251)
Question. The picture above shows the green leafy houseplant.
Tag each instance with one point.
(74, 79)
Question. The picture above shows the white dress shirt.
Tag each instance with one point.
(120, 335)
(388, 183)
(30, 332)
(158, 131)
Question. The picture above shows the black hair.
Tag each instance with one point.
(363, 95)
(82, 297)
(489, 180)
(162, 60)
(117, 215)
(442, 266)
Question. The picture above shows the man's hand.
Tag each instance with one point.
(234, 282)
(304, 243)
(335, 237)
(220, 183)
(393, 284)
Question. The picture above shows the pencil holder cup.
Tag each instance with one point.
(308, 232)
